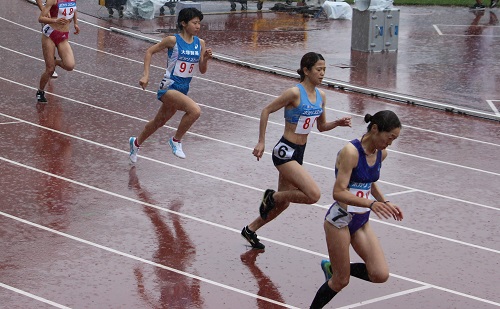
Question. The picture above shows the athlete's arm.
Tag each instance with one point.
(287, 97)
(75, 24)
(168, 42)
(39, 3)
(323, 125)
(206, 54)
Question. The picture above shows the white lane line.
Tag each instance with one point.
(255, 118)
(203, 221)
(233, 86)
(8, 287)
(215, 178)
(493, 107)
(437, 29)
(232, 144)
(9, 122)
(386, 297)
(136, 258)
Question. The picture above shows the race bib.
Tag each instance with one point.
(66, 10)
(305, 124)
(184, 69)
(360, 190)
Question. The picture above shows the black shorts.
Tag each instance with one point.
(285, 151)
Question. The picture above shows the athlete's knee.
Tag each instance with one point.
(195, 112)
(69, 67)
(338, 283)
(314, 195)
(379, 276)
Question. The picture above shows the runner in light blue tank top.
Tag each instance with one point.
(182, 62)
(304, 108)
(186, 54)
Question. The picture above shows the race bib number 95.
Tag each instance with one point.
(185, 69)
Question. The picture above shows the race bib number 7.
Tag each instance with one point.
(185, 69)
(305, 124)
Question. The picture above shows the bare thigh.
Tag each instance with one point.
(66, 53)
(179, 101)
(367, 246)
(299, 178)
(338, 242)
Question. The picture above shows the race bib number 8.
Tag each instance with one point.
(185, 69)
(305, 124)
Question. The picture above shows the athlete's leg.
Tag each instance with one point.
(165, 112)
(367, 246)
(337, 241)
(283, 185)
(306, 190)
(49, 49)
(67, 60)
(182, 102)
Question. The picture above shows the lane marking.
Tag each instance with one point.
(221, 141)
(136, 258)
(224, 84)
(246, 116)
(199, 220)
(8, 287)
(386, 297)
(9, 122)
(493, 107)
(223, 180)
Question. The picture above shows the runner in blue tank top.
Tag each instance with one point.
(186, 54)
(356, 194)
(304, 108)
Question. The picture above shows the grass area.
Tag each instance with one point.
(431, 2)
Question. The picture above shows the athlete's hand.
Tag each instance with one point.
(208, 53)
(144, 82)
(387, 210)
(344, 122)
(77, 29)
(258, 151)
(62, 21)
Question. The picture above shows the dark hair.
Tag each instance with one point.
(386, 121)
(308, 61)
(186, 14)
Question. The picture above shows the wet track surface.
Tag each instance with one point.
(82, 228)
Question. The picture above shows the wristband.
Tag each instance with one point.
(372, 204)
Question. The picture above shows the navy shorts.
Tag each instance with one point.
(285, 151)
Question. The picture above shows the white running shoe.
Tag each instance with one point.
(54, 75)
(176, 148)
(133, 150)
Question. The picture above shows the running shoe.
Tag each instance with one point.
(267, 203)
(176, 148)
(133, 150)
(477, 7)
(494, 3)
(40, 96)
(326, 266)
(54, 75)
(251, 237)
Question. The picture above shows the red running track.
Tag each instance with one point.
(82, 228)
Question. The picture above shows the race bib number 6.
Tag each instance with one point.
(184, 69)
(305, 124)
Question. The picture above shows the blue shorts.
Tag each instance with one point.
(285, 151)
(183, 88)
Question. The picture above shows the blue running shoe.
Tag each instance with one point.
(326, 266)
(133, 150)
